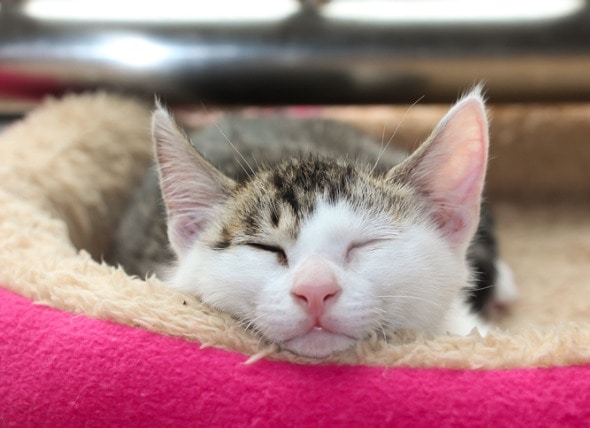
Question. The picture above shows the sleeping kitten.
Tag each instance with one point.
(313, 236)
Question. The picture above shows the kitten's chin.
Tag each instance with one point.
(318, 343)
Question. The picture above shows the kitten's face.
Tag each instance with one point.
(317, 254)
(316, 271)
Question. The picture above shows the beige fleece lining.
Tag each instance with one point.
(67, 169)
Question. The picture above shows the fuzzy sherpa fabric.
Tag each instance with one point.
(68, 168)
(59, 369)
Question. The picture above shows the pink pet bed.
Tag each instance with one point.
(60, 369)
(82, 344)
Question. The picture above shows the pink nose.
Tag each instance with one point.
(315, 285)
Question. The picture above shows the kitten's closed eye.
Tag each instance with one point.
(281, 255)
(368, 245)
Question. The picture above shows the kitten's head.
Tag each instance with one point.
(318, 253)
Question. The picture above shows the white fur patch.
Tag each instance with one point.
(506, 291)
(392, 276)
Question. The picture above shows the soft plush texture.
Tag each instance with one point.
(61, 368)
(66, 171)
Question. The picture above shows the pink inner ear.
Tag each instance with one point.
(461, 174)
(456, 220)
(191, 187)
(453, 169)
(182, 232)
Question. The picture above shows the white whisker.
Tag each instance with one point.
(232, 146)
(482, 288)
(393, 297)
(384, 148)
(248, 324)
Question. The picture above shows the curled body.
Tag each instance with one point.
(314, 236)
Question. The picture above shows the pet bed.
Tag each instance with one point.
(82, 343)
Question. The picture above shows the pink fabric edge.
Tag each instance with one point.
(60, 369)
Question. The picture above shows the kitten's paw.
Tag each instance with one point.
(506, 291)
(461, 321)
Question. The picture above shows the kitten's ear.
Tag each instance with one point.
(192, 188)
(449, 168)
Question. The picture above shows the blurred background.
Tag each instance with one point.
(265, 52)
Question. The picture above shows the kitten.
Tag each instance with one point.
(328, 238)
